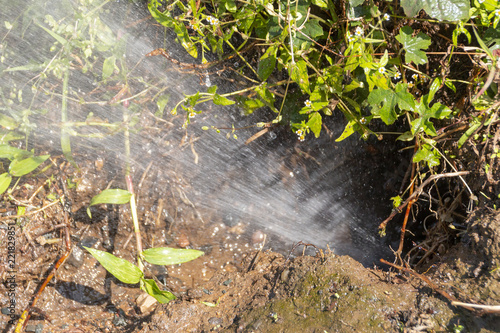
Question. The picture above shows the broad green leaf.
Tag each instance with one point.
(183, 36)
(406, 136)
(442, 10)
(111, 196)
(9, 135)
(169, 256)
(162, 296)
(311, 30)
(314, 123)
(193, 99)
(384, 102)
(266, 95)
(221, 100)
(163, 18)
(249, 104)
(321, 3)
(355, 3)
(212, 89)
(7, 151)
(267, 63)
(161, 102)
(5, 180)
(120, 268)
(423, 122)
(348, 131)
(426, 153)
(8, 122)
(19, 168)
(230, 6)
(298, 73)
(414, 45)
(108, 67)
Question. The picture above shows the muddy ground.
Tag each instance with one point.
(239, 285)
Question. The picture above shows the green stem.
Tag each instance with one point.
(130, 187)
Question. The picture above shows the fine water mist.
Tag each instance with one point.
(319, 191)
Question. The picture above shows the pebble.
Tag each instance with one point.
(215, 321)
(182, 240)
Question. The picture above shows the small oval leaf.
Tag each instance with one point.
(121, 269)
(169, 256)
(152, 289)
(221, 100)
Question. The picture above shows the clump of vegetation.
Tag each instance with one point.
(372, 60)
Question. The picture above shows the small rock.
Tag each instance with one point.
(215, 321)
(146, 303)
(182, 240)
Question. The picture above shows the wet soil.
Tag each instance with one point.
(239, 285)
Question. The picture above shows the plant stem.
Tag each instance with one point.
(130, 188)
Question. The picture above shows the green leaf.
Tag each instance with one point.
(169, 256)
(230, 6)
(443, 10)
(54, 35)
(161, 102)
(314, 123)
(193, 99)
(183, 37)
(120, 268)
(426, 153)
(396, 201)
(414, 45)
(221, 100)
(163, 18)
(8, 122)
(312, 29)
(162, 296)
(5, 180)
(7, 151)
(19, 168)
(384, 102)
(348, 131)
(9, 135)
(321, 3)
(111, 196)
(266, 95)
(472, 129)
(423, 123)
(298, 73)
(108, 67)
(212, 89)
(435, 86)
(249, 104)
(267, 63)
(355, 3)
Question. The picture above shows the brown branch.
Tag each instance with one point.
(431, 284)
(418, 191)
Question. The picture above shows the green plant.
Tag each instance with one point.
(21, 163)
